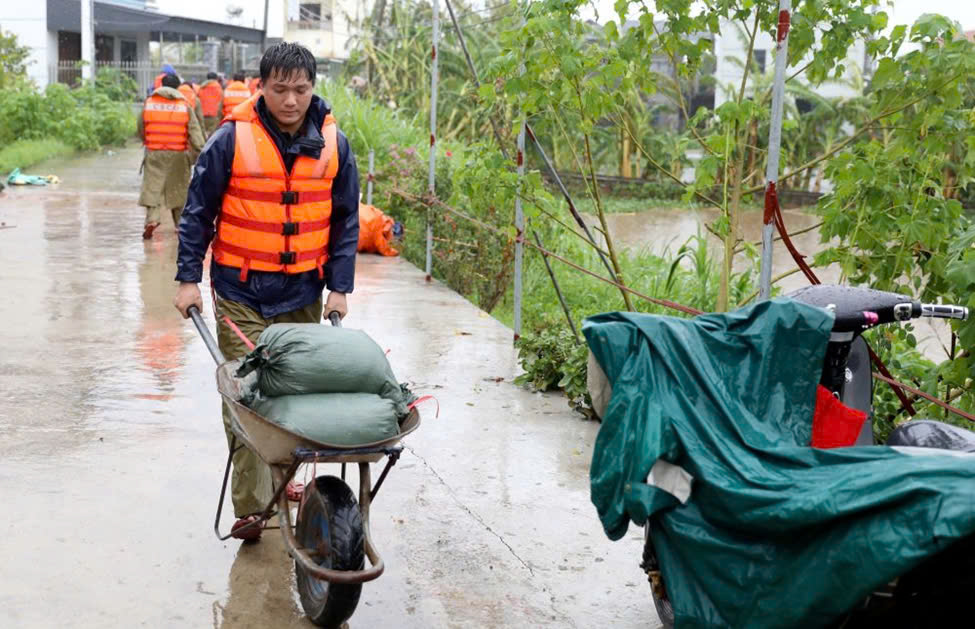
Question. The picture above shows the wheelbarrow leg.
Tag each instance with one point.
(223, 489)
(267, 513)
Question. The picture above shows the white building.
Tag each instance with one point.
(327, 27)
(730, 45)
(122, 32)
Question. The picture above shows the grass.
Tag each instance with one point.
(25, 153)
(688, 275)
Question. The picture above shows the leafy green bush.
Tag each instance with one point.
(117, 85)
(85, 117)
(553, 359)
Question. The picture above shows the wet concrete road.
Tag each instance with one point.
(111, 449)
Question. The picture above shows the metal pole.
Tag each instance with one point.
(774, 144)
(264, 32)
(519, 215)
(372, 165)
(519, 229)
(433, 132)
(87, 40)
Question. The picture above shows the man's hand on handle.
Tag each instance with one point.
(188, 294)
(336, 303)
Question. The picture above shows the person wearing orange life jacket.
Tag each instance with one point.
(235, 93)
(173, 137)
(276, 190)
(157, 82)
(211, 103)
(186, 89)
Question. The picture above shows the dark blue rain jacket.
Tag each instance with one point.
(266, 292)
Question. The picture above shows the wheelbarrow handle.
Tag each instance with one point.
(204, 331)
(335, 319)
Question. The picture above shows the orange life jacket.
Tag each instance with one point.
(188, 94)
(210, 95)
(235, 94)
(271, 220)
(167, 123)
(253, 85)
(156, 84)
(375, 231)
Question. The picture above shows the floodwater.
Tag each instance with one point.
(112, 449)
(661, 231)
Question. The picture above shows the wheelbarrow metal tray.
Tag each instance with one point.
(276, 445)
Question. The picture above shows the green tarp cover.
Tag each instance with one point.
(774, 533)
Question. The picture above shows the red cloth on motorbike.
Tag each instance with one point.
(835, 425)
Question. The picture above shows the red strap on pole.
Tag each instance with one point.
(784, 19)
(771, 202)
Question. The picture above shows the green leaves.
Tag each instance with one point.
(888, 70)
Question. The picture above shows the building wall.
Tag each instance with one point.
(28, 21)
(730, 44)
(333, 39)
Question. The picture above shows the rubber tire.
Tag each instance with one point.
(330, 513)
(665, 611)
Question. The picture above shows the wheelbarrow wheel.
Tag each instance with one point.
(329, 523)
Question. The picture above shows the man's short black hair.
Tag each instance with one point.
(211, 76)
(170, 80)
(285, 58)
(238, 76)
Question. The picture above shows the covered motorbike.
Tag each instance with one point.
(706, 441)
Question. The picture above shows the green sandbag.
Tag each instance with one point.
(344, 419)
(299, 358)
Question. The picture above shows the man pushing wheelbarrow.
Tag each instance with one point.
(276, 190)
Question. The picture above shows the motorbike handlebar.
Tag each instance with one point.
(944, 311)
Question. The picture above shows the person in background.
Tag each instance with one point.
(173, 138)
(276, 190)
(235, 93)
(166, 69)
(186, 89)
(211, 103)
(254, 84)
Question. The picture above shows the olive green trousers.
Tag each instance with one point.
(154, 215)
(250, 485)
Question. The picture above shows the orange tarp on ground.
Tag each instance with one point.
(375, 231)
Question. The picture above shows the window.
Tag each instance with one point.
(759, 56)
(129, 50)
(314, 15)
(104, 48)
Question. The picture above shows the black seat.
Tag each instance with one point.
(928, 433)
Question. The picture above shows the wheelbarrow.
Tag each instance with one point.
(329, 539)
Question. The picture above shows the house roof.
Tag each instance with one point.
(65, 15)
